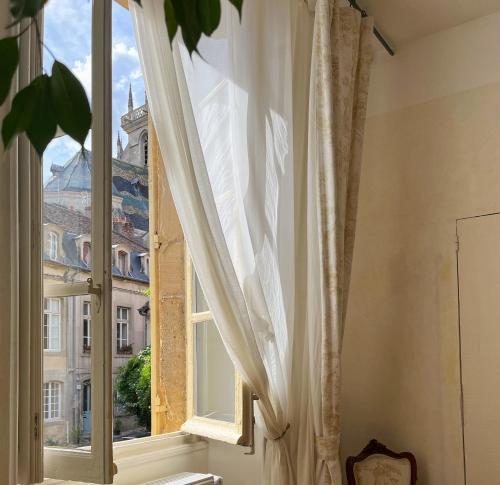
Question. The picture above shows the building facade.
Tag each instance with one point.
(67, 258)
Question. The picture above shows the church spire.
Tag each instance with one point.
(145, 98)
(130, 99)
(119, 147)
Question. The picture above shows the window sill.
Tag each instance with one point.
(146, 459)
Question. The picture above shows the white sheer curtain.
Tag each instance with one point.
(233, 127)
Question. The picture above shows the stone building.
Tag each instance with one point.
(67, 258)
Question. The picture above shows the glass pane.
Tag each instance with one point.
(67, 365)
(199, 303)
(66, 240)
(214, 375)
(130, 237)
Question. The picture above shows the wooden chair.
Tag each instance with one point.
(377, 465)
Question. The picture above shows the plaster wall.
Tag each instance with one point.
(432, 155)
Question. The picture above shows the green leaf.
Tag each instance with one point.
(170, 19)
(71, 106)
(42, 128)
(25, 8)
(9, 59)
(20, 115)
(187, 18)
(209, 13)
(238, 5)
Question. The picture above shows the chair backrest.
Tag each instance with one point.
(377, 465)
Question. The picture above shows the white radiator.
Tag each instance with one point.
(188, 479)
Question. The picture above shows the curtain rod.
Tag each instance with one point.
(378, 35)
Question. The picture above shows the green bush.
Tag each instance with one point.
(133, 387)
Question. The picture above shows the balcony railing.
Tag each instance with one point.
(87, 348)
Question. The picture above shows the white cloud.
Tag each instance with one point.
(122, 50)
(83, 71)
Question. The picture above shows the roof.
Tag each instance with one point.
(74, 224)
(130, 182)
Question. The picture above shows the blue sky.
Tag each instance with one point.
(68, 36)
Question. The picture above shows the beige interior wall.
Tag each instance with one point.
(432, 155)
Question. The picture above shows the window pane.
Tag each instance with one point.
(130, 236)
(67, 365)
(214, 375)
(66, 217)
(199, 303)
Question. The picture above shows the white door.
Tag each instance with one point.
(479, 290)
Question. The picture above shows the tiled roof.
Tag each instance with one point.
(130, 182)
(75, 224)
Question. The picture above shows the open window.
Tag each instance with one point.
(112, 284)
(218, 403)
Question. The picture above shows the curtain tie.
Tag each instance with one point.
(327, 447)
(287, 427)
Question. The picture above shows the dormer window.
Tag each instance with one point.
(53, 241)
(144, 258)
(122, 262)
(86, 256)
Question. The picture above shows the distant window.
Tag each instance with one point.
(122, 324)
(144, 148)
(53, 245)
(86, 257)
(122, 262)
(87, 327)
(52, 400)
(52, 324)
(145, 265)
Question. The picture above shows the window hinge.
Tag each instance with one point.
(156, 241)
(95, 290)
(36, 426)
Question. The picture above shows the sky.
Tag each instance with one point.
(67, 33)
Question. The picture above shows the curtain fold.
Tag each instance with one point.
(261, 139)
(342, 54)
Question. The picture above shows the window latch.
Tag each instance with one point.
(96, 290)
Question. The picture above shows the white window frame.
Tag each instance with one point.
(49, 314)
(239, 432)
(94, 465)
(53, 241)
(122, 323)
(87, 325)
(48, 396)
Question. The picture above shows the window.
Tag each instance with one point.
(122, 262)
(51, 401)
(53, 246)
(86, 256)
(122, 324)
(79, 299)
(51, 324)
(144, 148)
(218, 404)
(87, 327)
(144, 263)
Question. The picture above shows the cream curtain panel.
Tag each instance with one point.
(261, 138)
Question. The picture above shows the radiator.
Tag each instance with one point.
(188, 479)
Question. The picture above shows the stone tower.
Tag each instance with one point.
(135, 124)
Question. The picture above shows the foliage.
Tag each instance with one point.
(59, 100)
(133, 387)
